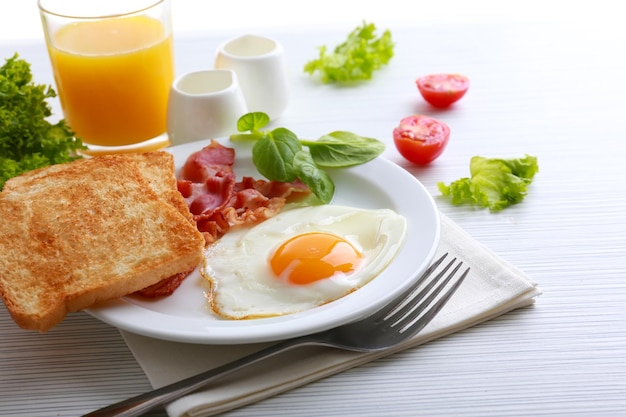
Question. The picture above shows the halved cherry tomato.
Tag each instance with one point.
(441, 90)
(421, 139)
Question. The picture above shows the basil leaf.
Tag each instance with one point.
(344, 149)
(274, 153)
(318, 181)
(252, 121)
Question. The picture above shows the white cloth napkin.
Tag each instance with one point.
(492, 288)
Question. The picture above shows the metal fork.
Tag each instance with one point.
(396, 322)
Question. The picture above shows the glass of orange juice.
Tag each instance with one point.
(113, 67)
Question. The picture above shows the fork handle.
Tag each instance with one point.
(142, 403)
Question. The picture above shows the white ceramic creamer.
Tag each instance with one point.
(204, 105)
(260, 65)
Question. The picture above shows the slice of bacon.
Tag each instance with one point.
(166, 286)
(207, 162)
(271, 189)
(218, 201)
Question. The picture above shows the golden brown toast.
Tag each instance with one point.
(158, 168)
(76, 234)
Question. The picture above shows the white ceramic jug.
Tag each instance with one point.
(261, 69)
(204, 105)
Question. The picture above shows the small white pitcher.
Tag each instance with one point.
(203, 105)
(262, 71)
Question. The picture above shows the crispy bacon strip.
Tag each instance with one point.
(166, 286)
(218, 201)
(207, 162)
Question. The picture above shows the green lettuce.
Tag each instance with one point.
(494, 183)
(27, 139)
(355, 59)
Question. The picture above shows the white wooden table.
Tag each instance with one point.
(553, 90)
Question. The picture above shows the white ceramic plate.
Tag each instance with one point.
(186, 317)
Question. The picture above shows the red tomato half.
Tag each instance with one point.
(441, 90)
(421, 139)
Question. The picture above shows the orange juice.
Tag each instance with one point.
(113, 78)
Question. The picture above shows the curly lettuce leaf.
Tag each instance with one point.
(494, 183)
(356, 58)
(27, 139)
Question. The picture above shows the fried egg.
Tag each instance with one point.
(299, 259)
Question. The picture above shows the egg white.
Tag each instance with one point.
(243, 285)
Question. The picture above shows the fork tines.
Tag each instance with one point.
(426, 298)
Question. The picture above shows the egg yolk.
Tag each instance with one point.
(311, 257)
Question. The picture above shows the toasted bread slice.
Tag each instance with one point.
(158, 168)
(76, 234)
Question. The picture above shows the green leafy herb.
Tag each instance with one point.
(356, 59)
(313, 177)
(273, 155)
(27, 140)
(279, 154)
(342, 149)
(252, 122)
(494, 183)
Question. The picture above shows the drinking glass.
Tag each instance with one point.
(113, 67)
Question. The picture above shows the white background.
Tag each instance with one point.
(20, 19)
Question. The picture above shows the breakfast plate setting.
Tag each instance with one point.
(189, 264)
(186, 316)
